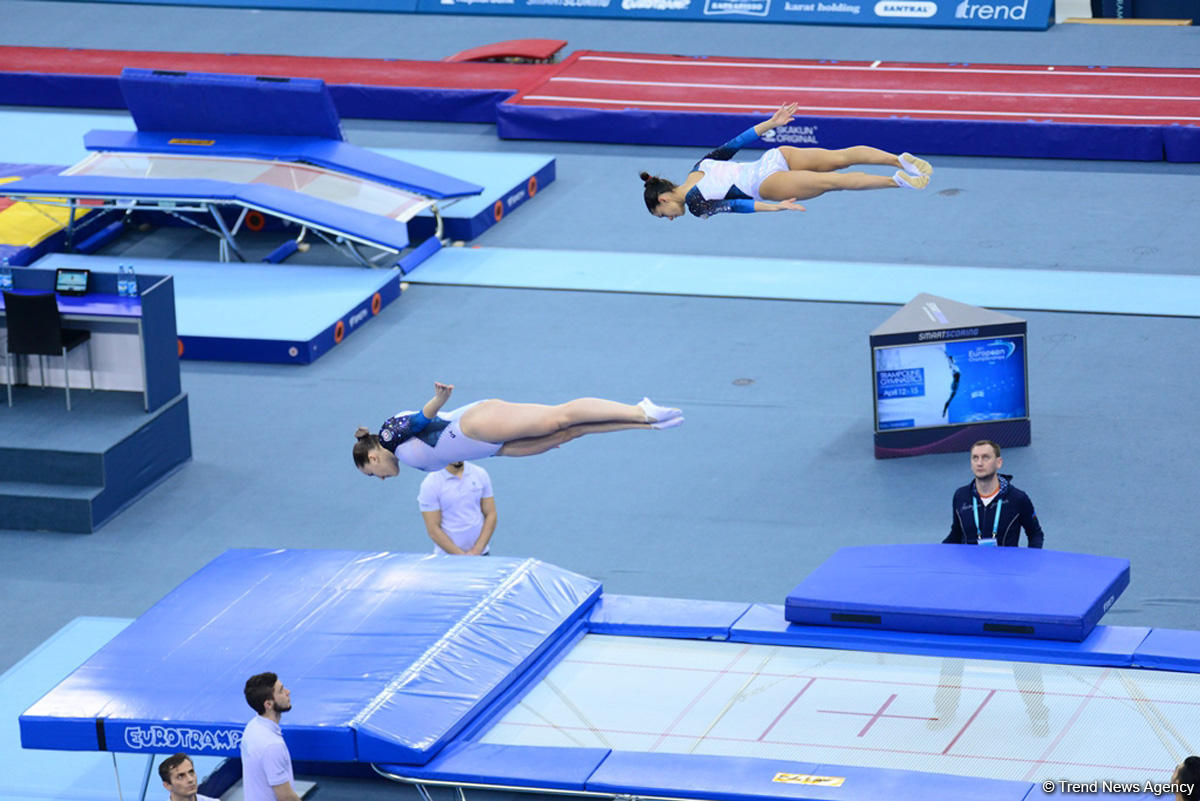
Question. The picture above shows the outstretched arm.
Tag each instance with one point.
(441, 394)
(726, 151)
(782, 116)
(707, 208)
(779, 205)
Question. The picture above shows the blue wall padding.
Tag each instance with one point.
(200, 102)
(1025, 139)
(400, 644)
(747, 779)
(415, 102)
(545, 767)
(639, 616)
(337, 156)
(1170, 649)
(1106, 645)
(1181, 143)
(376, 229)
(956, 589)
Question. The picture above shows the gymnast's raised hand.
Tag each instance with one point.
(429, 439)
(778, 179)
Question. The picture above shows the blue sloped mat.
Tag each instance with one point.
(387, 655)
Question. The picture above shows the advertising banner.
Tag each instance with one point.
(994, 14)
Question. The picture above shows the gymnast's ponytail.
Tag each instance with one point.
(364, 443)
(653, 186)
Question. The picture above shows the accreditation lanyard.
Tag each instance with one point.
(995, 520)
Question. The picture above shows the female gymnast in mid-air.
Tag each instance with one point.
(780, 177)
(429, 441)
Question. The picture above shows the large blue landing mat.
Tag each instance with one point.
(783, 279)
(40, 775)
(388, 656)
(958, 589)
(255, 312)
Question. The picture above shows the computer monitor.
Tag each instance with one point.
(70, 281)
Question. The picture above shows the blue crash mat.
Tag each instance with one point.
(957, 589)
(388, 656)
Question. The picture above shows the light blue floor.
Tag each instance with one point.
(34, 775)
(852, 282)
(247, 300)
(55, 136)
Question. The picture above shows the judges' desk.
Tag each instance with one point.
(134, 344)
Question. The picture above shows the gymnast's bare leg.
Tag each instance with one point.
(502, 421)
(534, 445)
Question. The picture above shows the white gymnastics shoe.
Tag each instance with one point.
(658, 414)
(670, 422)
(903, 179)
(915, 166)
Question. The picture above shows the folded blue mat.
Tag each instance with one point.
(959, 589)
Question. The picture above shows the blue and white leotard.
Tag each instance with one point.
(730, 186)
(432, 444)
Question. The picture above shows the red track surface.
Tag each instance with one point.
(1084, 95)
(365, 71)
(598, 80)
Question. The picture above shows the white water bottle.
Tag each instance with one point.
(131, 289)
(5, 275)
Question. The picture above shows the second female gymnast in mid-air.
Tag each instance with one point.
(780, 177)
(429, 441)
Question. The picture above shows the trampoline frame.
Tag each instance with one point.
(176, 207)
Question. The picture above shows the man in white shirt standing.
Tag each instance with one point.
(459, 509)
(179, 776)
(266, 763)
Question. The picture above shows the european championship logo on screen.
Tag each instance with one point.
(950, 383)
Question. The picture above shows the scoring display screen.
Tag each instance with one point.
(950, 383)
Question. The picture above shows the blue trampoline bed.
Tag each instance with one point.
(516, 674)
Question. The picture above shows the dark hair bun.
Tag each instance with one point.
(645, 176)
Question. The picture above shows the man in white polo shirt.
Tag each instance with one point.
(459, 509)
(266, 763)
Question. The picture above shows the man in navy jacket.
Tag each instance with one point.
(990, 510)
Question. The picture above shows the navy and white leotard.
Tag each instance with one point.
(731, 186)
(432, 444)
